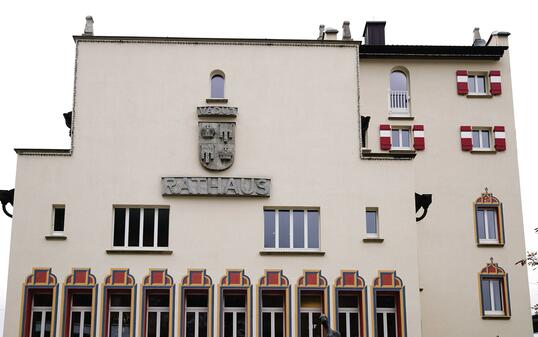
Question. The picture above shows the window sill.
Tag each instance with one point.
(403, 151)
(149, 251)
(495, 317)
(292, 252)
(368, 154)
(216, 100)
(373, 240)
(490, 244)
(484, 151)
(401, 118)
(57, 237)
(479, 95)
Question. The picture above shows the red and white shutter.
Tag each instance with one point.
(461, 77)
(495, 82)
(384, 137)
(466, 138)
(500, 138)
(418, 137)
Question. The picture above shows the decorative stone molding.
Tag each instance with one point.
(216, 186)
(216, 111)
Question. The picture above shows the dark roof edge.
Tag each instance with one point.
(443, 52)
(43, 152)
(195, 40)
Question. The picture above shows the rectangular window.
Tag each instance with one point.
(310, 312)
(41, 315)
(272, 319)
(119, 315)
(234, 312)
(401, 138)
(141, 227)
(196, 315)
(481, 139)
(158, 315)
(58, 219)
(386, 316)
(487, 225)
(348, 314)
(81, 315)
(492, 296)
(291, 229)
(477, 84)
(372, 222)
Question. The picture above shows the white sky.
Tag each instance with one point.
(37, 59)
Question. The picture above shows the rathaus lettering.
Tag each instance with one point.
(216, 186)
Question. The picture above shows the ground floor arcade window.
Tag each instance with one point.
(158, 315)
(348, 314)
(386, 315)
(41, 315)
(310, 312)
(119, 315)
(196, 314)
(81, 315)
(235, 311)
(273, 313)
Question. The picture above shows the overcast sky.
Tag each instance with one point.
(38, 54)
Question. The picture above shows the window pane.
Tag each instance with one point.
(119, 227)
(163, 227)
(386, 301)
(480, 224)
(82, 300)
(114, 323)
(371, 222)
(471, 84)
(480, 84)
(164, 324)
(304, 325)
(497, 299)
(284, 229)
(149, 226)
(197, 300)
(152, 324)
(269, 229)
(43, 300)
(405, 138)
(313, 229)
(347, 301)
(134, 227)
(126, 324)
(316, 326)
(122, 300)
(342, 324)
(87, 324)
(272, 301)
(492, 224)
(217, 86)
(36, 324)
(398, 81)
(48, 316)
(485, 139)
(396, 138)
(298, 229)
(241, 324)
(279, 324)
(202, 324)
(59, 218)
(75, 324)
(228, 324)
(159, 300)
(391, 325)
(354, 325)
(486, 298)
(266, 324)
(190, 326)
(234, 301)
(476, 138)
(379, 324)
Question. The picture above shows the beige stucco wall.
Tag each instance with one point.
(135, 121)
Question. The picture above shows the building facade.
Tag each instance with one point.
(244, 188)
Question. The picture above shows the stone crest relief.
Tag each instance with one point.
(217, 144)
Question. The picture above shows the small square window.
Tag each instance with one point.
(481, 139)
(401, 138)
(58, 219)
(372, 222)
(477, 84)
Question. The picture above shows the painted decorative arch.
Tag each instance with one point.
(119, 280)
(273, 281)
(235, 278)
(487, 198)
(197, 277)
(119, 277)
(41, 277)
(387, 282)
(312, 278)
(349, 278)
(197, 281)
(158, 280)
(158, 277)
(274, 278)
(312, 281)
(80, 280)
(492, 268)
(80, 277)
(351, 283)
(387, 279)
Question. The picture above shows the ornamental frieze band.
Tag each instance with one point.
(216, 186)
(217, 111)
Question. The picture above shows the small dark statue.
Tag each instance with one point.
(324, 321)
(422, 201)
(6, 197)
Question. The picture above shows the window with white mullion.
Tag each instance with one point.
(41, 315)
(119, 318)
(293, 229)
(481, 138)
(140, 227)
(156, 317)
(155, 227)
(127, 212)
(486, 219)
(492, 296)
(81, 315)
(196, 312)
(309, 322)
(234, 312)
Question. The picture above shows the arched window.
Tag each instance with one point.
(217, 84)
(389, 305)
(399, 93)
(489, 220)
(494, 298)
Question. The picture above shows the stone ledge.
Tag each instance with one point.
(282, 252)
(55, 237)
(373, 240)
(216, 100)
(141, 251)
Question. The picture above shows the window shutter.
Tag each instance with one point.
(466, 138)
(461, 77)
(500, 138)
(495, 82)
(384, 137)
(418, 137)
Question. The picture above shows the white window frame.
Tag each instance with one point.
(486, 224)
(384, 312)
(376, 234)
(141, 228)
(492, 297)
(401, 98)
(480, 146)
(52, 229)
(305, 229)
(273, 311)
(159, 311)
(42, 310)
(234, 311)
(196, 311)
(399, 129)
(311, 323)
(82, 310)
(475, 76)
(121, 311)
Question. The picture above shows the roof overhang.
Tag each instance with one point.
(441, 52)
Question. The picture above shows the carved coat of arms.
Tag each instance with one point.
(217, 144)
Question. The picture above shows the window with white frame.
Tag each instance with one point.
(81, 315)
(401, 137)
(481, 139)
(41, 315)
(386, 319)
(234, 312)
(477, 84)
(492, 296)
(372, 225)
(348, 314)
(158, 315)
(310, 313)
(291, 229)
(272, 314)
(119, 315)
(487, 224)
(141, 227)
(217, 85)
(399, 93)
(196, 315)
(58, 219)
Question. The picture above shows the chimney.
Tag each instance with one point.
(330, 33)
(478, 41)
(498, 39)
(374, 32)
(346, 33)
(88, 30)
(321, 32)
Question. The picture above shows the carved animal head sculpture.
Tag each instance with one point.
(6, 197)
(422, 201)
(324, 322)
(365, 122)
(68, 116)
